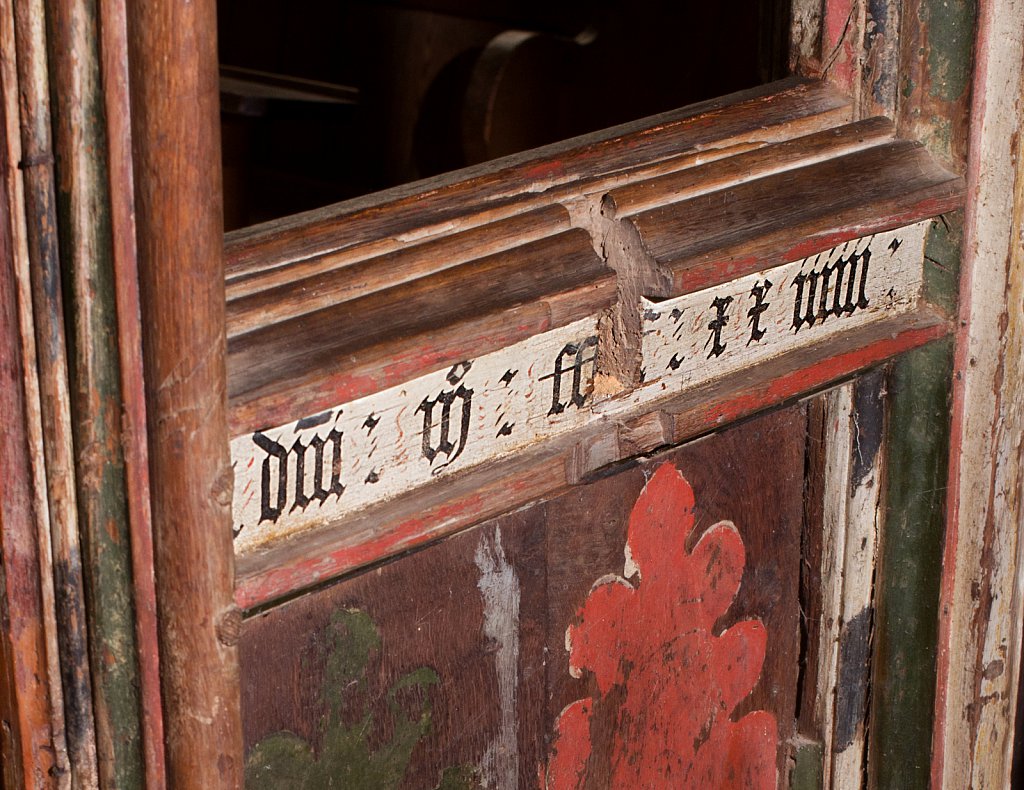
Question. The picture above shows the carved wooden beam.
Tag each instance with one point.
(570, 304)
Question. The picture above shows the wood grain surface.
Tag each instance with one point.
(706, 240)
(470, 632)
(749, 118)
(172, 53)
(414, 518)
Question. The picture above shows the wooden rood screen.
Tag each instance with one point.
(533, 485)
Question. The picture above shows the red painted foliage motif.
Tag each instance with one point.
(666, 685)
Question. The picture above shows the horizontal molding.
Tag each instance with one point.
(585, 303)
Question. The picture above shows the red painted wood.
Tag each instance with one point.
(463, 670)
(841, 44)
(668, 682)
(114, 54)
(358, 380)
(987, 27)
(261, 579)
(808, 379)
(28, 757)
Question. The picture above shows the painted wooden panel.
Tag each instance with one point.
(330, 464)
(449, 667)
(719, 330)
(325, 466)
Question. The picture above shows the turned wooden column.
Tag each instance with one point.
(174, 94)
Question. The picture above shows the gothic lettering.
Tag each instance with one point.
(275, 452)
(578, 353)
(717, 324)
(758, 293)
(274, 487)
(838, 289)
(444, 444)
(319, 492)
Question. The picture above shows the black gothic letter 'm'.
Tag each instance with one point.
(578, 396)
(840, 288)
(319, 493)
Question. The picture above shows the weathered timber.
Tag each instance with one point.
(883, 38)
(55, 408)
(936, 43)
(354, 453)
(908, 567)
(121, 194)
(768, 160)
(284, 304)
(590, 164)
(284, 568)
(485, 663)
(864, 516)
(807, 773)
(916, 65)
(172, 55)
(389, 336)
(315, 283)
(321, 468)
(838, 449)
(84, 230)
(981, 609)
(812, 589)
(32, 747)
(841, 525)
(842, 40)
(704, 241)
(805, 39)
(841, 528)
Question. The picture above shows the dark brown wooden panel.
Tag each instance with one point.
(450, 664)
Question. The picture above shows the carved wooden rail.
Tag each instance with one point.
(407, 364)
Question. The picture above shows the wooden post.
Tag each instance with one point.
(982, 605)
(85, 229)
(43, 266)
(173, 65)
(113, 44)
(32, 747)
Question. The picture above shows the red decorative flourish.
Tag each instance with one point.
(666, 685)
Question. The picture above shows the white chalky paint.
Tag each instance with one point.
(499, 587)
(374, 448)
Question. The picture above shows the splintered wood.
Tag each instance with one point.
(565, 299)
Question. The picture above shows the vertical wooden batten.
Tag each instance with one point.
(32, 744)
(982, 601)
(174, 95)
(36, 164)
(113, 43)
(918, 56)
(86, 252)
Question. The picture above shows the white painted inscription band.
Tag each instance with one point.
(325, 466)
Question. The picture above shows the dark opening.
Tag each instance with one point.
(326, 100)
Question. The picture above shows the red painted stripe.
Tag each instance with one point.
(293, 575)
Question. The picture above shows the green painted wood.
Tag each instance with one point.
(910, 552)
(906, 619)
(808, 767)
(933, 74)
(84, 226)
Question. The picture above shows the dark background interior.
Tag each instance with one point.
(406, 89)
